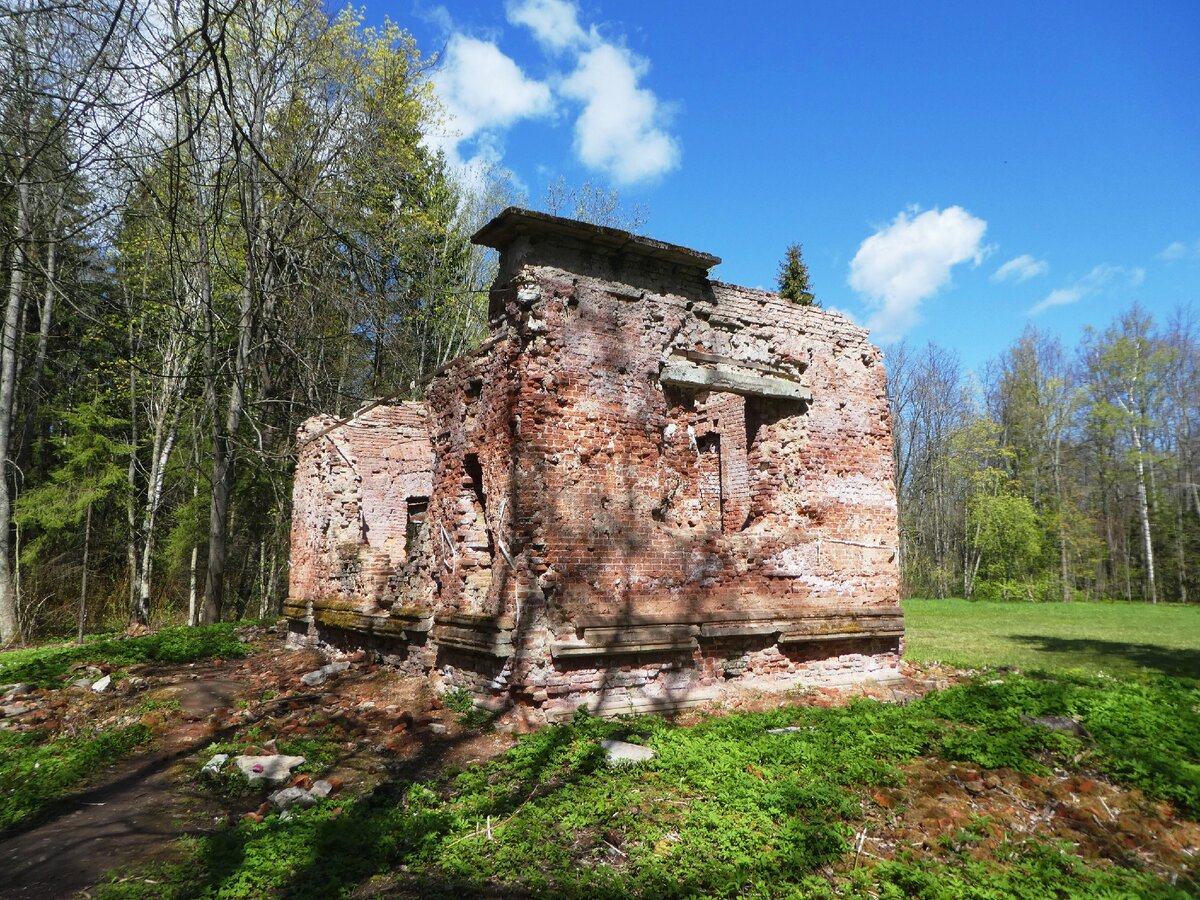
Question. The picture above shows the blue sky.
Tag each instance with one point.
(953, 171)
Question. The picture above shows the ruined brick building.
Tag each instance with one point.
(643, 487)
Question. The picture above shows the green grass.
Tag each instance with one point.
(49, 664)
(36, 772)
(726, 809)
(38, 769)
(1115, 638)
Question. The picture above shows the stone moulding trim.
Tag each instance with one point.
(620, 640)
(607, 636)
(567, 649)
(514, 222)
(720, 377)
(806, 638)
(400, 624)
(483, 634)
(705, 617)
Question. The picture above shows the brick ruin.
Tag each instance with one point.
(645, 487)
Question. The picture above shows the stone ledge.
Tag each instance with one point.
(567, 649)
(810, 638)
(722, 377)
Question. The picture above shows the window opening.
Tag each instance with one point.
(417, 508)
(712, 496)
(474, 473)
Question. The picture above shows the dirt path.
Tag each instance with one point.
(135, 812)
(382, 726)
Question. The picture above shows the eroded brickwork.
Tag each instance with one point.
(644, 485)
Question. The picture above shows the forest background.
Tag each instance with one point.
(217, 219)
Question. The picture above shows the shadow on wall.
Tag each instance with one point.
(1090, 653)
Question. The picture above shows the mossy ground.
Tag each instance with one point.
(866, 799)
(951, 795)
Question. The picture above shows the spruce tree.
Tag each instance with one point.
(793, 278)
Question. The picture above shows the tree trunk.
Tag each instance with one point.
(45, 318)
(1144, 513)
(1063, 568)
(222, 469)
(8, 388)
(192, 586)
(83, 578)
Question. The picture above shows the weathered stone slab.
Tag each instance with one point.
(623, 753)
(727, 378)
(318, 676)
(274, 769)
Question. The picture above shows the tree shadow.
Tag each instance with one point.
(1094, 653)
(368, 849)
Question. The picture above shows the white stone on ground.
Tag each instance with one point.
(621, 753)
(315, 677)
(214, 765)
(274, 769)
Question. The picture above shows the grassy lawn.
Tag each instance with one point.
(49, 664)
(1114, 638)
(957, 794)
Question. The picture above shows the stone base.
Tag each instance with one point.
(539, 690)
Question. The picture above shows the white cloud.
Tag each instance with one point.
(438, 16)
(901, 265)
(1021, 268)
(482, 88)
(554, 23)
(1179, 250)
(620, 130)
(1102, 279)
(483, 92)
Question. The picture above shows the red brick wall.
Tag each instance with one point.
(349, 507)
(599, 532)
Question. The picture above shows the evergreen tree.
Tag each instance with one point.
(793, 278)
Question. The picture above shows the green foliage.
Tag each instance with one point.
(46, 666)
(726, 808)
(1005, 529)
(463, 703)
(91, 472)
(35, 772)
(793, 278)
(1029, 869)
(458, 700)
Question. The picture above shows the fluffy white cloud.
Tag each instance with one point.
(1101, 279)
(909, 260)
(554, 23)
(481, 88)
(1178, 250)
(1021, 268)
(620, 130)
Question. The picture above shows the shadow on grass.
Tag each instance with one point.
(369, 848)
(1096, 654)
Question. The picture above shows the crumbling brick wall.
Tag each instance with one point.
(647, 483)
(356, 484)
